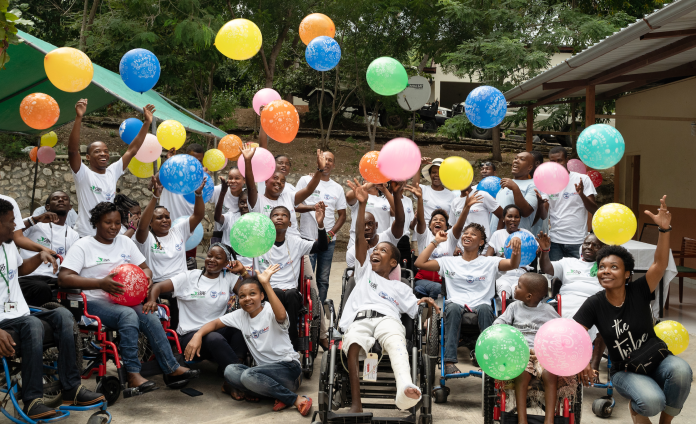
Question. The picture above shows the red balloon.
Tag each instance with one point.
(596, 177)
(135, 284)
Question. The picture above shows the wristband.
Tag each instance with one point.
(435, 242)
(545, 251)
(198, 194)
(31, 219)
(664, 231)
(155, 196)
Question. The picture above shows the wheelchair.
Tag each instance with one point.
(334, 383)
(10, 385)
(309, 324)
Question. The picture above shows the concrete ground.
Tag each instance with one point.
(464, 403)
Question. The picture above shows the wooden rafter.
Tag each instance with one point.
(668, 34)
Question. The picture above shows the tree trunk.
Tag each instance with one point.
(497, 154)
(81, 44)
(269, 65)
(90, 20)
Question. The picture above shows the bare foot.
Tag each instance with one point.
(412, 392)
(356, 408)
(179, 371)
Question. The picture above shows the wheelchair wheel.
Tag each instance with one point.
(315, 327)
(434, 335)
(110, 387)
(440, 394)
(602, 407)
(577, 405)
(488, 400)
(79, 342)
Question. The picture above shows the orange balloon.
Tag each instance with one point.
(39, 111)
(33, 153)
(369, 170)
(281, 121)
(314, 25)
(229, 145)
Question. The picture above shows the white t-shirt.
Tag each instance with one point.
(70, 221)
(479, 213)
(230, 218)
(433, 199)
(443, 249)
(333, 196)
(575, 274)
(506, 197)
(385, 236)
(201, 299)
(508, 280)
(289, 257)
(58, 238)
(567, 213)
(19, 223)
(176, 204)
(93, 188)
(469, 283)
(265, 205)
(230, 203)
(261, 188)
(92, 259)
(374, 293)
(267, 339)
(169, 258)
(10, 270)
(409, 214)
(379, 207)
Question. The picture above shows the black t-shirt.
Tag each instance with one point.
(625, 328)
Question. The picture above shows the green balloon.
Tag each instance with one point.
(502, 352)
(386, 76)
(252, 235)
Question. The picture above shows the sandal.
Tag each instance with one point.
(305, 407)
(452, 369)
(279, 406)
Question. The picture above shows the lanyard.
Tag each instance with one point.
(7, 270)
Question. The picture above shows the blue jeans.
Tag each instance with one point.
(429, 288)
(321, 262)
(277, 381)
(665, 390)
(129, 322)
(560, 251)
(453, 322)
(31, 334)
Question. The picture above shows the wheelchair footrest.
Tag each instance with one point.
(350, 418)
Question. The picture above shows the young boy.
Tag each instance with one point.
(528, 315)
(227, 219)
(373, 312)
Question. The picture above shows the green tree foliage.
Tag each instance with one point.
(8, 29)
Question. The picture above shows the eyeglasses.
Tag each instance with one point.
(485, 164)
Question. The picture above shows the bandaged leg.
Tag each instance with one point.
(391, 335)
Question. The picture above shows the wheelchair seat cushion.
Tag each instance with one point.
(48, 340)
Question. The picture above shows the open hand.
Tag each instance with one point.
(587, 376)
(47, 258)
(544, 241)
(6, 344)
(430, 302)
(321, 160)
(425, 161)
(580, 187)
(516, 245)
(416, 190)
(473, 199)
(265, 277)
(156, 186)
(150, 306)
(247, 152)
(148, 111)
(81, 108)
(398, 186)
(359, 190)
(236, 267)
(663, 218)
(171, 152)
(110, 286)
(223, 183)
(193, 348)
(508, 183)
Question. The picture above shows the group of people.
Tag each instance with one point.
(236, 306)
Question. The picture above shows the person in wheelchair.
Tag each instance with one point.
(49, 230)
(496, 247)
(15, 316)
(470, 283)
(89, 267)
(288, 251)
(265, 328)
(373, 312)
(528, 315)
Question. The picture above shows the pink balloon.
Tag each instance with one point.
(262, 164)
(46, 154)
(150, 150)
(563, 346)
(551, 178)
(576, 165)
(264, 97)
(399, 159)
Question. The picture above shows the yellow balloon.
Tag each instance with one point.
(214, 160)
(614, 224)
(141, 169)
(239, 39)
(68, 69)
(49, 139)
(674, 334)
(170, 134)
(456, 173)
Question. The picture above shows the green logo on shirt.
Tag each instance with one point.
(157, 248)
(102, 260)
(43, 241)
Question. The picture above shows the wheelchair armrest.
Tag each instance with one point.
(69, 291)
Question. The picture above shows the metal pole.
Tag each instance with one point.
(36, 172)
(413, 127)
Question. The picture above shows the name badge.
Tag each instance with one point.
(10, 307)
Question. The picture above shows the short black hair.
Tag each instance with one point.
(90, 145)
(478, 227)
(536, 284)
(280, 207)
(439, 211)
(195, 148)
(621, 252)
(538, 156)
(559, 149)
(395, 253)
(283, 155)
(254, 281)
(124, 204)
(511, 206)
(5, 207)
(50, 196)
(100, 210)
(244, 193)
(487, 163)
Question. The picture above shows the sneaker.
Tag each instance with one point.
(37, 410)
(472, 355)
(80, 396)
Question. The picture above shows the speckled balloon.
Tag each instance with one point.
(252, 235)
(600, 146)
(674, 334)
(135, 285)
(563, 347)
(39, 111)
(528, 249)
(181, 174)
(502, 352)
(139, 69)
(485, 106)
(323, 53)
(614, 224)
(386, 76)
(280, 120)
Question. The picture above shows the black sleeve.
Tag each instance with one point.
(587, 314)
(321, 244)
(640, 289)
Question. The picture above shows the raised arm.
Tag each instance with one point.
(420, 213)
(663, 219)
(74, 156)
(253, 194)
(198, 207)
(423, 260)
(360, 242)
(133, 148)
(471, 200)
(397, 227)
(514, 261)
(146, 217)
(587, 201)
(302, 194)
(417, 177)
(544, 259)
(543, 205)
(265, 279)
(221, 201)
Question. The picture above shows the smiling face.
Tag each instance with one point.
(235, 180)
(283, 165)
(612, 273)
(522, 165)
(7, 226)
(382, 259)
(276, 184)
(558, 158)
(243, 203)
(472, 239)
(590, 247)
(216, 260)
(330, 163)
(434, 172)
(59, 202)
(280, 218)
(161, 221)
(109, 225)
(370, 226)
(512, 220)
(98, 155)
(437, 223)
(250, 297)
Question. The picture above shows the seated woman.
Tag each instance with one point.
(373, 312)
(203, 297)
(227, 219)
(264, 326)
(621, 312)
(287, 252)
(89, 267)
(470, 283)
(130, 214)
(427, 282)
(496, 247)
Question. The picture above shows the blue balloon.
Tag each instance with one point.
(323, 53)
(485, 106)
(196, 235)
(490, 185)
(181, 174)
(600, 146)
(207, 192)
(139, 69)
(528, 250)
(129, 129)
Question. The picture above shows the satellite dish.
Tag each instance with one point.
(416, 95)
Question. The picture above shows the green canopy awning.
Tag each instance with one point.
(25, 74)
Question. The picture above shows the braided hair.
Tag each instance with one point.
(123, 205)
(478, 227)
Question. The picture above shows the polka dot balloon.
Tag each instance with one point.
(502, 352)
